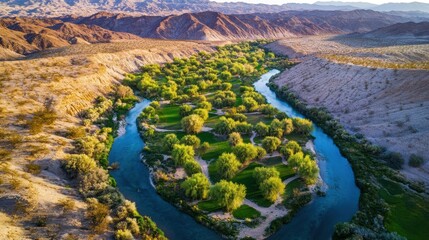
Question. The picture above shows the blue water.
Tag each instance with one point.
(132, 178)
(317, 219)
(314, 221)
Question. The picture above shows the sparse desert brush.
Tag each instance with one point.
(67, 204)
(41, 118)
(415, 160)
(33, 168)
(76, 132)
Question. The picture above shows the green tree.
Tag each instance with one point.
(225, 75)
(287, 125)
(228, 165)
(181, 154)
(234, 139)
(205, 105)
(192, 167)
(272, 188)
(309, 170)
(169, 141)
(295, 159)
(185, 110)
(261, 129)
(196, 187)
(245, 152)
(261, 152)
(270, 144)
(203, 113)
(191, 140)
(228, 194)
(302, 126)
(226, 86)
(192, 124)
(251, 104)
(225, 126)
(290, 148)
(263, 173)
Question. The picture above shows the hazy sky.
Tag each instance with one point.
(312, 1)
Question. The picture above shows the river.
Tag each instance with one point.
(314, 221)
(317, 219)
(132, 179)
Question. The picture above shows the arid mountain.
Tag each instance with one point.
(218, 26)
(408, 29)
(167, 7)
(27, 35)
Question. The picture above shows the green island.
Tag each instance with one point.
(216, 149)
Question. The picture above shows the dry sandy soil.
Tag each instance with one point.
(390, 106)
(73, 77)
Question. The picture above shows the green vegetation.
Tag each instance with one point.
(88, 165)
(245, 211)
(227, 165)
(228, 195)
(197, 186)
(209, 110)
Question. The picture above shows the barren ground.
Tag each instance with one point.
(73, 76)
(368, 88)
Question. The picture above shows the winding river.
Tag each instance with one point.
(317, 219)
(314, 221)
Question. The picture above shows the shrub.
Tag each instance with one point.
(394, 160)
(415, 161)
(124, 235)
(79, 164)
(98, 215)
(192, 167)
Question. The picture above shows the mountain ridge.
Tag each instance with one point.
(167, 7)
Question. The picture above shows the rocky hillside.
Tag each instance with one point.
(408, 29)
(389, 106)
(27, 35)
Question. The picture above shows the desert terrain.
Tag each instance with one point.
(70, 78)
(374, 87)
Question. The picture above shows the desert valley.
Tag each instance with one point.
(185, 119)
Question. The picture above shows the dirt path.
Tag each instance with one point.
(252, 138)
(274, 211)
(204, 167)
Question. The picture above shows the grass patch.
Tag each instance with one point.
(295, 184)
(253, 193)
(285, 171)
(271, 161)
(216, 149)
(169, 117)
(407, 211)
(209, 206)
(255, 118)
(246, 211)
